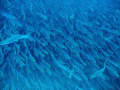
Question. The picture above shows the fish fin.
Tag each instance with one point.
(71, 73)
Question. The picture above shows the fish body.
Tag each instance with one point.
(13, 38)
(98, 73)
(9, 16)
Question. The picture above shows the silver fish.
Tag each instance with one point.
(9, 16)
(14, 38)
(98, 73)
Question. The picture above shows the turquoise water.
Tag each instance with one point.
(59, 44)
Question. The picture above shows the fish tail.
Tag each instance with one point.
(105, 63)
(30, 37)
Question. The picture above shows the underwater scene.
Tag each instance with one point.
(59, 44)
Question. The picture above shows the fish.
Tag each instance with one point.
(39, 52)
(113, 71)
(114, 63)
(77, 76)
(9, 16)
(66, 55)
(15, 38)
(42, 16)
(99, 72)
(12, 18)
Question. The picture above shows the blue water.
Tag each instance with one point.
(59, 44)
